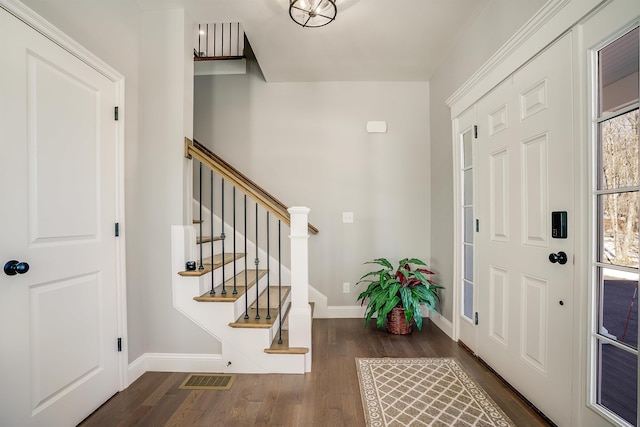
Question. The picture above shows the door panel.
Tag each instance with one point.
(57, 173)
(498, 305)
(60, 107)
(534, 322)
(534, 191)
(524, 173)
(499, 195)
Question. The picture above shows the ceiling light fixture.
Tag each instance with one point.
(312, 13)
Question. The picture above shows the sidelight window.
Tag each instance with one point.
(467, 235)
(615, 335)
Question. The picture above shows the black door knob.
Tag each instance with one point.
(560, 258)
(13, 267)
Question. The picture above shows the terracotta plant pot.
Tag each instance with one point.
(397, 322)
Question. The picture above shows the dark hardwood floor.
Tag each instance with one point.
(328, 396)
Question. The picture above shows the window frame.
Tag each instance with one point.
(595, 277)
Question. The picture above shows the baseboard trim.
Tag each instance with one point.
(441, 322)
(173, 362)
(345, 311)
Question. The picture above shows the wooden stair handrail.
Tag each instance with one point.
(237, 178)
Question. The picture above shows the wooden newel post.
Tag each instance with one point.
(300, 313)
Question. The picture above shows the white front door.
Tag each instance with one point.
(525, 173)
(58, 320)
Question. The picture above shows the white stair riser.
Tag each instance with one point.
(243, 347)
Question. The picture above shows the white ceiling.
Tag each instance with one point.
(370, 40)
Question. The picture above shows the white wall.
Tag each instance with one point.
(496, 23)
(306, 143)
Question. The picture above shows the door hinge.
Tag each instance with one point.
(119, 344)
(477, 225)
(115, 113)
(117, 229)
(475, 321)
(475, 131)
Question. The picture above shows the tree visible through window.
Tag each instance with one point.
(617, 201)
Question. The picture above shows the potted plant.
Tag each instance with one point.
(395, 294)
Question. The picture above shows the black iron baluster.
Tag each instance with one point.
(222, 236)
(246, 272)
(268, 273)
(201, 267)
(257, 261)
(279, 284)
(235, 287)
(213, 283)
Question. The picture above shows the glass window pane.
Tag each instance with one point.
(468, 262)
(617, 381)
(466, 147)
(618, 63)
(468, 225)
(468, 300)
(468, 187)
(618, 306)
(619, 151)
(619, 228)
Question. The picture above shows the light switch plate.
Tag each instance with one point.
(347, 217)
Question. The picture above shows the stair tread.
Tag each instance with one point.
(240, 286)
(263, 322)
(218, 262)
(196, 272)
(284, 347)
(207, 239)
(218, 259)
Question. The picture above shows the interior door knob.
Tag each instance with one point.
(560, 258)
(13, 267)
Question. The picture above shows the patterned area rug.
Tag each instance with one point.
(424, 392)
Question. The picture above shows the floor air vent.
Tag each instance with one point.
(208, 382)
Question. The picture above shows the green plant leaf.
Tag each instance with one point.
(418, 315)
(408, 314)
(406, 296)
(416, 261)
(389, 305)
(381, 261)
(393, 289)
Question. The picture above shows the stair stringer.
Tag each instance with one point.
(242, 348)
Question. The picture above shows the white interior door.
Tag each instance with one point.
(525, 173)
(58, 320)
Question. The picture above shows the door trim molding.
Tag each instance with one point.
(549, 23)
(48, 30)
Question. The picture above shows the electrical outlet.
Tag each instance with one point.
(346, 288)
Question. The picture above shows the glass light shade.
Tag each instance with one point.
(313, 13)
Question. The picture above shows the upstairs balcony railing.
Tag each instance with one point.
(219, 41)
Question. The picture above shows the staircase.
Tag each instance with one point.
(240, 292)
